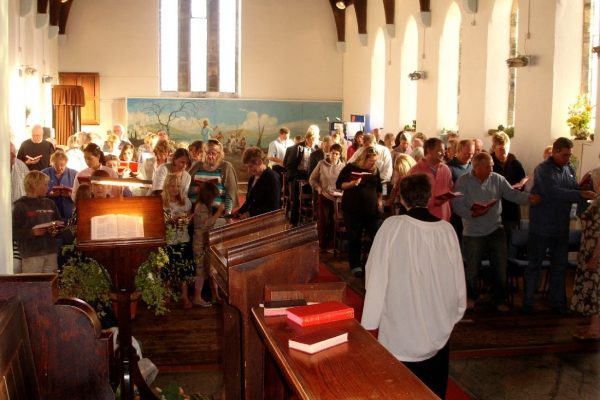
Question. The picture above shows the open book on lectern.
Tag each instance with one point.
(117, 226)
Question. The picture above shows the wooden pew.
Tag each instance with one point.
(359, 369)
(71, 353)
(244, 256)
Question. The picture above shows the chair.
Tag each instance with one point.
(339, 229)
(307, 207)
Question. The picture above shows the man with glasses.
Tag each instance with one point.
(36, 152)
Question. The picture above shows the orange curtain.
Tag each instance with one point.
(67, 101)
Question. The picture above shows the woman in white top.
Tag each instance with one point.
(178, 166)
(322, 180)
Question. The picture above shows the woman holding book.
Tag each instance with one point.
(322, 180)
(215, 169)
(60, 185)
(361, 203)
(128, 165)
(94, 158)
(162, 152)
(178, 166)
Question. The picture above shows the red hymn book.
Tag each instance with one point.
(321, 313)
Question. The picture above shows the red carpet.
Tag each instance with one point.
(355, 300)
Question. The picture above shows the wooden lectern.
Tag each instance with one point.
(122, 257)
(244, 256)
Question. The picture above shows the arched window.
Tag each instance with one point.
(408, 64)
(449, 69)
(378, 81)
(512, 72)
(589, 64)
(199, 46)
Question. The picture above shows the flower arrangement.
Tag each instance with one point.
(580, 115)
(85, 278)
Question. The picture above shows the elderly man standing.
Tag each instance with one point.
(481, 213)
(554, 180)
(36, 152)
(277, 148)
(459, 165)
(432, 165)
(297, 163)
(415, 286)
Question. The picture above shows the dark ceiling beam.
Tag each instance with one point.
(64, 16)
(42, 6)
(54, 12)
(340, 21)
(360, 7)
(424, 5)
(389, 7)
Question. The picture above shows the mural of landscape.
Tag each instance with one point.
(256, 121)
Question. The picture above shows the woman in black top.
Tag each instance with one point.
(361, 203)
(264, 188)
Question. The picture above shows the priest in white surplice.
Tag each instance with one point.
(415, 286)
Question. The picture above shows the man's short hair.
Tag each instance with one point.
(284, 129)
(465, 143)
(33, 179)
(430, 144)
(481, 157)
(561, 143)
(415, 190)
(500, 138)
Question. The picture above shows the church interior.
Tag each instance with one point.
(460, 66)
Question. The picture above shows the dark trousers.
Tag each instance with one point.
(356, 224)
(295, 196)
(494, 245)
(433, 372)
(325, 221)
(558, 249)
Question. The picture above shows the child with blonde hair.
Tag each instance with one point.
(36, 243)
(177, 210)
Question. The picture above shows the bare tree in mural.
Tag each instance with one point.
(186, 108)
(261, 121)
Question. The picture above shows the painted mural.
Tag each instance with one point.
(236, 123)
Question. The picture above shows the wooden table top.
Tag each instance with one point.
(359, 369)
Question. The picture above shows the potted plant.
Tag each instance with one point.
(85, 278)
(580, 115)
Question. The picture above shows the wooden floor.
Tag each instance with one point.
(184, 338)
(187, 338)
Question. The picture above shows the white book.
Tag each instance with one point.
(117, 226)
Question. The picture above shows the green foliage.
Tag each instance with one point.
(85, 278)
(150, 283)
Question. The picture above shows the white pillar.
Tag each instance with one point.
(5, 209)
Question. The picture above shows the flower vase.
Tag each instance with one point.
(579, 133)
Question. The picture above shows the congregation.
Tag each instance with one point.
(426, 201)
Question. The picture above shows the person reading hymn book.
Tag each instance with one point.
(117, 226)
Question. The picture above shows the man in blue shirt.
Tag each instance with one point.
(554, 180)
(482, 225)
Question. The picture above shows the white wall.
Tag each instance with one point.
(288, 51)
(544, 90)
(5, 228)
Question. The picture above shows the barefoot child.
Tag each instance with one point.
(204, 219)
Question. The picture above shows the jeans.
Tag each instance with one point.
(355, 225)
(494, 245)
(558, 249)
